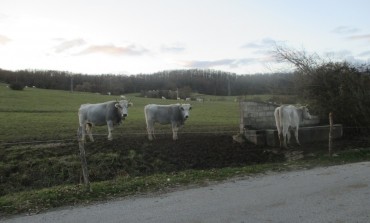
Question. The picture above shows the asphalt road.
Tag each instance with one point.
(331, 194)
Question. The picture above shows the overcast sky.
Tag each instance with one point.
(146, 36)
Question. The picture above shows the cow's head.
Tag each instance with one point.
(305, 113)
(122, 107)
(185, 110)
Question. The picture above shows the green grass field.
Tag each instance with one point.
(39, 114)
(37, 174)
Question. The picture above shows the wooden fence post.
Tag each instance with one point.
(330, 133)
(241, 115)
(81, 146)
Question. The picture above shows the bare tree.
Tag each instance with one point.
(304, 62)
(338, 87)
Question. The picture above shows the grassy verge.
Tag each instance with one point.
(40, 200)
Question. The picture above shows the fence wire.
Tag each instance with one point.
(142, 133)
(129, 134)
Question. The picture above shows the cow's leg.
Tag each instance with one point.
(150, 130)
(110, 129)
(285, 135)
(289, 135)
(175, 129)
(82, 128)
(153, 134)
(89, 131)
(296, 135)
(81, 133)
(150, 133)
(280, 135)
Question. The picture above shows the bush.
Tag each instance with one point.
(16, 86)
(342, 89)
(338, 87)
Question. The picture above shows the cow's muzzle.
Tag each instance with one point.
(186, 117)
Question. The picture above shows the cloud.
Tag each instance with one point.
(263, 47)
(360, 37)
(3, 16)
(261, 44)
(214, 63)
(208, 64)
(354, 60)
(113, 50)
(364, 54)
(4, 40)
(68, 44)
(175, 48)
(345, 30)
(338, 54)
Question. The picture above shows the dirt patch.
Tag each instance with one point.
(44, 165)
(138, 156)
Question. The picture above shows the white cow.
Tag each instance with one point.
(108, 113)
(287, 118)
(175, 114)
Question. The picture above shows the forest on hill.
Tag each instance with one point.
(339, 87)
(210, 82)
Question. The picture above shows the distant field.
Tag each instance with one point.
(39, 114)
(37, 175)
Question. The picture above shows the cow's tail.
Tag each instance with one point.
(278, 117)
(149, 127)
(146, 116)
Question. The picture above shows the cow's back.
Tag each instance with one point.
(164, 114)
(98, 114)
(289, 115)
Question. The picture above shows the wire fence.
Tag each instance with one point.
(73, 138)
(207, 131)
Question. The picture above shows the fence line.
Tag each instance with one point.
(37, 142)
(159, 132)
(116, 134)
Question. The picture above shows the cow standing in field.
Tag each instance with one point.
(175, 114)
(109, 113)
(287, 118)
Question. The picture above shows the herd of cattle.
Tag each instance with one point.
(111, 113)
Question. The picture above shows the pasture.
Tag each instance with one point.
(39, 144)
(39, 157)
(39, 114)
(39, 149)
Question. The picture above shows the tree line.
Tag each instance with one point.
(210, 82)
(328, 86)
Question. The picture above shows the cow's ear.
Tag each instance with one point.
(117, 105)
(190, 108)
(130, 104)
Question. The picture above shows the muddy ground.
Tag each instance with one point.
(138, 156)
(25, 167)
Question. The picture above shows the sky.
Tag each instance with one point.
(148, 36)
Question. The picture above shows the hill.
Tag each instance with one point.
(210, 82)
